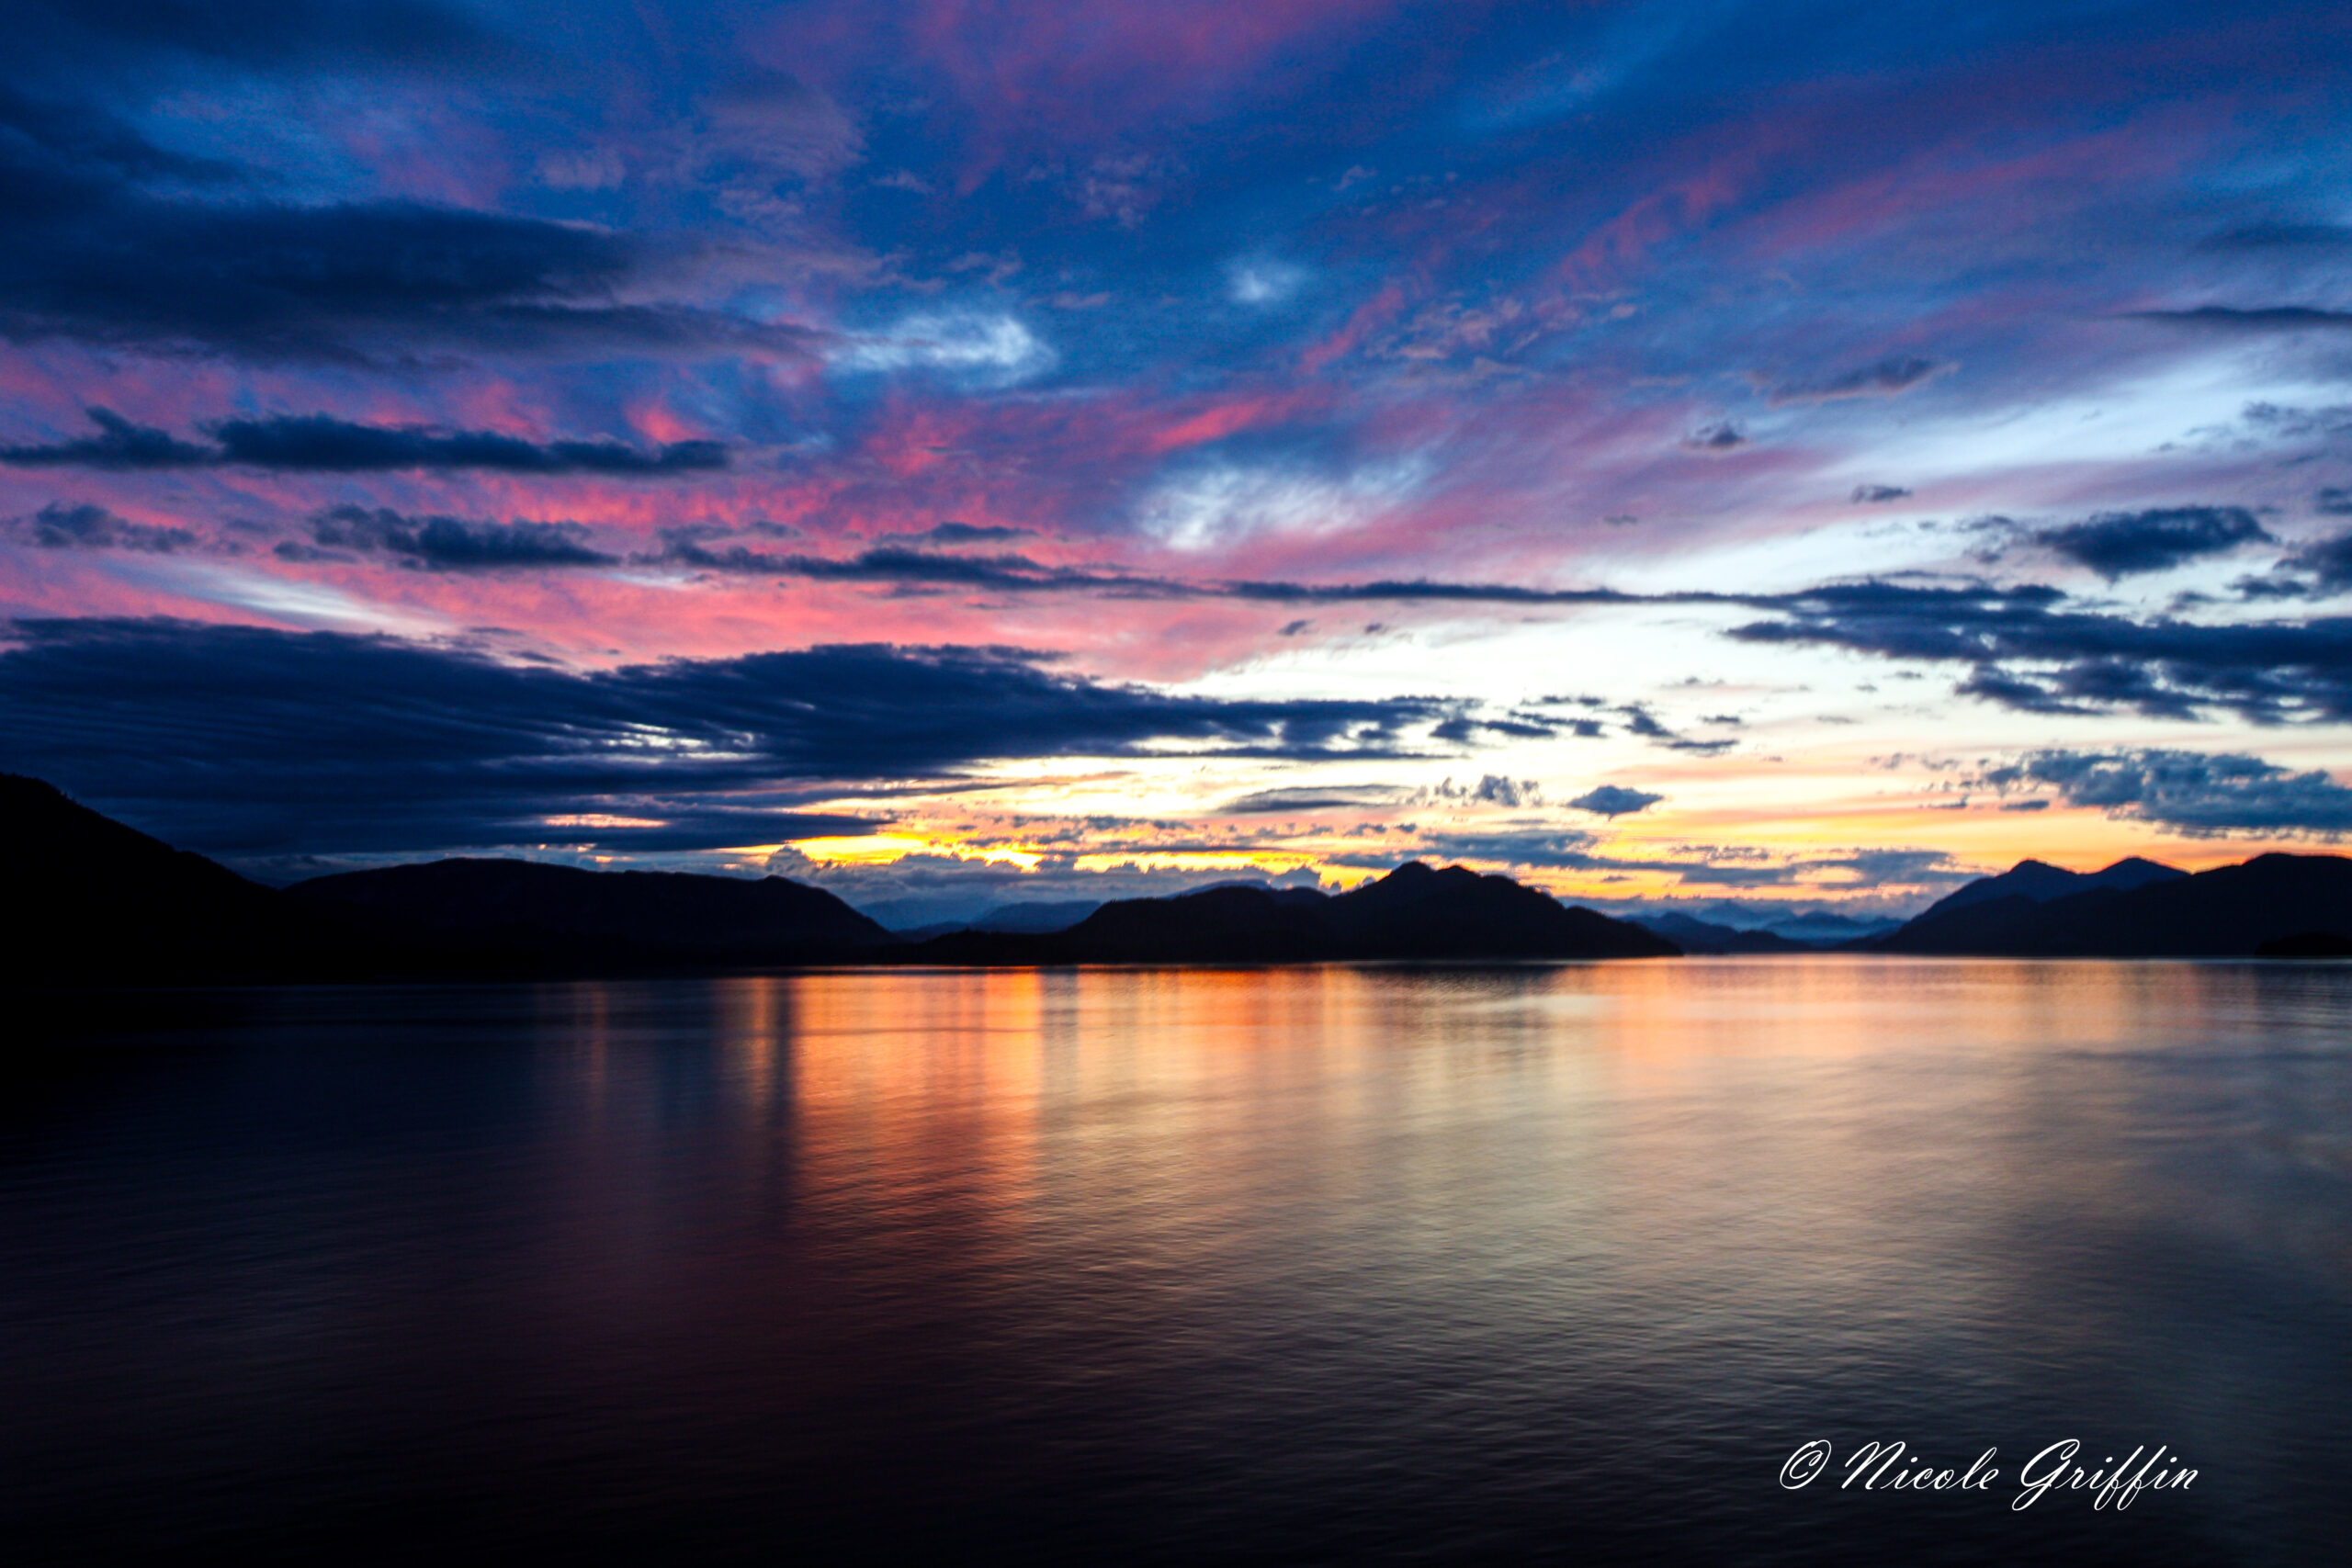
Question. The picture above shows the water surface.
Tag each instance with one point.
(1318, 1265)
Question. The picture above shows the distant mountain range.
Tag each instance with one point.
(1043, 915)
(1736, 925)
(569, 917)
(2281, 905)
(100, 903)
(1707, 939)
(1414, 912)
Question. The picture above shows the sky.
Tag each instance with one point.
(962, 453)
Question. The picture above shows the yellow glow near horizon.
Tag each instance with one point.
(884, 849)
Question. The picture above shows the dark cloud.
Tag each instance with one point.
(970, 534)
(1516, 726)
(2275, 584)
(1494, 789)
(257, 278)
(1887, 378)
(2026, 650)
(1715, 438)
(1640, 721)
(2328, 561)
(1417, 588)
(2030, 653)
(702, 550)
(2334, 503)
(59, 527)
(51, 150)
(2190, 791)
(1993, 685)
(323, 444)
(901, 566)
(2293, 423)
(118, 444)
(104, 247)
(318, 442)
(2259, 319)
(1611, 800)
(451, 544)
(1305, 798)
(1865, 495)
(243, 740)
(2121, 544)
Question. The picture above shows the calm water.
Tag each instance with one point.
(1329, 1264)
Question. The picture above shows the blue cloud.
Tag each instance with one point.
(1611, 800)
(242, 738)
(85, 526)
(2199, 793)
(449, 543)
(318, 443)
(2122, 544)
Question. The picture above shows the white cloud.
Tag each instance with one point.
(995, 347)
(1206, 508)
(1261, 282)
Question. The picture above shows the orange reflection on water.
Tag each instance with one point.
(1673, 1100)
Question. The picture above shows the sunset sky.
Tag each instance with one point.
(963, 452)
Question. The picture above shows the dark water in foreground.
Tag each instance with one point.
(1319, 1265)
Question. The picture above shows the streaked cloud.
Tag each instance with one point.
(2201, 793)
(321, 444)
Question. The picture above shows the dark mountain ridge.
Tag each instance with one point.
(103, 905)
(1706, 939)
(2231, 911)
(564, 914)
(98, 902)
(1414, 912)
(2039, 882)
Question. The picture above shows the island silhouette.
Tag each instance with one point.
(101, 903)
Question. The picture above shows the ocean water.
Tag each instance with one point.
(1331, 1264)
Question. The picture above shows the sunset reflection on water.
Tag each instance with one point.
(1324, 1263)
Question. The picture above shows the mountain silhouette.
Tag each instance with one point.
(1040, 916)
(2041, 882)
(99, 903)
(102, 904)
(1044, 916)
(1414, 912)
(572, 917)
(2232, 912)
(1706, 939)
